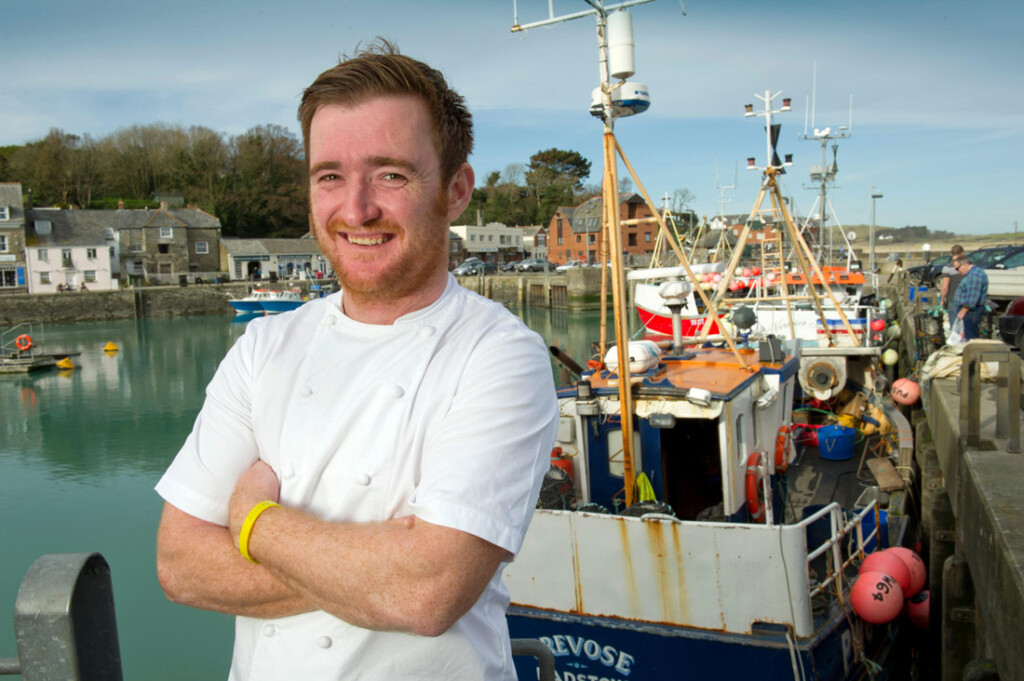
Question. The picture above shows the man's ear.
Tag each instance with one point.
(460, 191)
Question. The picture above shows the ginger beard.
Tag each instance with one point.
(424, 245)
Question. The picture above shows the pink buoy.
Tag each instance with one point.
(717, 278)
(771, 276)
(890, 564)
(876, 597)
(735, 285)
(918, 571)
(745, 272)
(905, 391)
(918, 609)
(878, 325)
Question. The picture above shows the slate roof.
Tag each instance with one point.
(586, 217)
(242, 247)
(65, 229)
(10, 196)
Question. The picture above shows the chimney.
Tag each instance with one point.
(120, 204)
(479, 217)
(163, 205)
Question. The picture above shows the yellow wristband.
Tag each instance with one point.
(250, 520)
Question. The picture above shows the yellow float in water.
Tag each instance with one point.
(110, 347)
(66, 363)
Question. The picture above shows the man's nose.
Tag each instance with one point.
(359, 205)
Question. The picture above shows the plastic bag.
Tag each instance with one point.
(956, 332)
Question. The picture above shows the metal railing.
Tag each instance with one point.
(833, 545)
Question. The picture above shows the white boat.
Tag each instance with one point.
(284, 301)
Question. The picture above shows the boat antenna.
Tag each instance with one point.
(822, 177)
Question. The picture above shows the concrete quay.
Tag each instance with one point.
(971, 470)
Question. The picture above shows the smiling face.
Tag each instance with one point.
(379, 205)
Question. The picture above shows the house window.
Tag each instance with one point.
(166, 232)
(647, 237)
(3, 243)
(5, 213)
(163, 248)
(165, 268)
(111, 251)
(559, 239)
(65, 257)
(44, 277)
(42, 254)
(202, 247)
(632, 239)
(590, 238)
(136, 248)
(90, 253)
(579, 238)
(472, 237)
(90, 275)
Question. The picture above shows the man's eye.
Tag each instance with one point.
(393, 178)
(327, 177)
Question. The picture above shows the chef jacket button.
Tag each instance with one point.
(397, 391)
(288, 471)
(331, 321)
(324, 642)
(426, 332)
(269, 630)
(307, 391)
(363, 479)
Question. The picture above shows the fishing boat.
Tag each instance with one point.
(283, 302)
(267, 301)
(684, 529)
(780, 289)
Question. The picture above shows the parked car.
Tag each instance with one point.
(536, 265)
(928, 273)
(1011, 324)
(510, 266)
(571, 265)
(1013, 259)
(474, 266)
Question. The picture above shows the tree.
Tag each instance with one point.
(554, 176)
(681, 200)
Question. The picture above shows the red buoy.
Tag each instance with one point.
(918, 609)
(890, 564)
(876, 597)
(905, 391)
(918, 572)
(878, 325)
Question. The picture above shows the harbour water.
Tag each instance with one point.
(80, 452)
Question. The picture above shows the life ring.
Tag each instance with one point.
(23, 342)
(782, 449)
(754, 505)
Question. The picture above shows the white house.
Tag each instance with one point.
(61, 255)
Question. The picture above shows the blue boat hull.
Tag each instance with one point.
(273, 306)
(242, 306)
(603, 649)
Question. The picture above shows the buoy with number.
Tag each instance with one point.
(876, 597)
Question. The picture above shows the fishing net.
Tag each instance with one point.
(557, 492)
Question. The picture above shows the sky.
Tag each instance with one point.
(937, 88)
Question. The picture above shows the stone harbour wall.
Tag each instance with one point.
(148, 301)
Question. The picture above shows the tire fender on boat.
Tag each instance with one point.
(23, 342)
(754, 474)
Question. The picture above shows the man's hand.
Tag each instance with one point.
(257, 484)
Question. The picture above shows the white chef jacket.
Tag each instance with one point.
(448, 414)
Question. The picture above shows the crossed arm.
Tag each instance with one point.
(400, 575)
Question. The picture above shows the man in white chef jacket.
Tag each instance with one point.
(364, 466)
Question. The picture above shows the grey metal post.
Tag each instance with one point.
(64, 620)
(546, 658)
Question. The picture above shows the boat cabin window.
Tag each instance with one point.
(616, 460)
(740, 435)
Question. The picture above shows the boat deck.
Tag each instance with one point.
(713, 369)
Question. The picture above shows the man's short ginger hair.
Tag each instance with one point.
(378, 71)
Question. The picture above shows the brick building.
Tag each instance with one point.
(574, 233)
